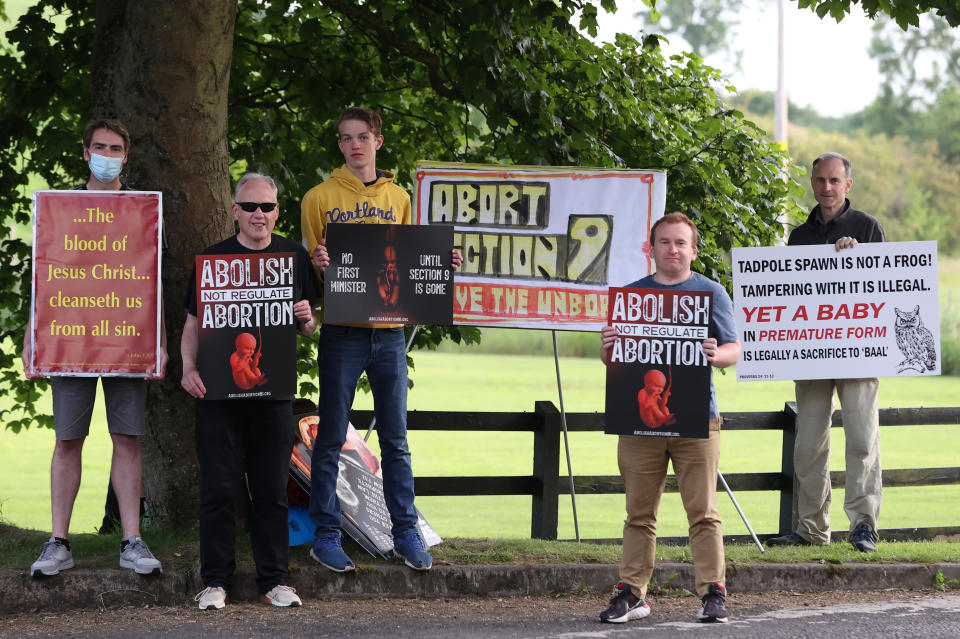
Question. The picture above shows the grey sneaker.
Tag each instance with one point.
(864, 538)
(211, 598)
(137, 557)
(54, 557)
(282, 596)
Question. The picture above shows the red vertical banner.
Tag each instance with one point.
(96, 283)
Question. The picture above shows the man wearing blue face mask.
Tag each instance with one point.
(105, 147)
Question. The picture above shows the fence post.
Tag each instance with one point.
(788, 481)
(546, 472)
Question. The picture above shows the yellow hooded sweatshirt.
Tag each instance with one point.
(344, 198)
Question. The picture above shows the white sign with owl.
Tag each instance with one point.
(813, 312)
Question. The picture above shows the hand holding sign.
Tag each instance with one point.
(320, 257)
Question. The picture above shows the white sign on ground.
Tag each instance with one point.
(812, 312)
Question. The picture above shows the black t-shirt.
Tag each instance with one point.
(305, 283)
(83, 187)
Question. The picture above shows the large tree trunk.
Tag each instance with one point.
(163, 69)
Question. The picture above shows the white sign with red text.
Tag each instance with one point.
(541, 245)
(813, 312)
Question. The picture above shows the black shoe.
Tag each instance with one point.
(624, 607)
(793, 539)
(864, 538)
(714, 609)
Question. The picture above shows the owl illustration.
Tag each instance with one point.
(915, 341)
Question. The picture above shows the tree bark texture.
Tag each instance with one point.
(163, 69)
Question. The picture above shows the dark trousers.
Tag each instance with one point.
(111, 512)
(235, 437)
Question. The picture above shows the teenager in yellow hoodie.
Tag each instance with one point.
(359, 193)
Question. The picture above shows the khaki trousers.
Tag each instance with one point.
(643, 465)
(811, 454)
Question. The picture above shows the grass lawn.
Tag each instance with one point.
(25, 475)
(179, 550)
(465, 381)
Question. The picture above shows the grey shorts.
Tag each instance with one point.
(73, 397)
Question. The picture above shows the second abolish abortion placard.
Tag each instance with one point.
(658, 378)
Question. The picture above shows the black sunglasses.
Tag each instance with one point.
(251, 207)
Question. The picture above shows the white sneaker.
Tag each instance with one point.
(282, 596)
(54, 557)
(138, 558)
(211, 598)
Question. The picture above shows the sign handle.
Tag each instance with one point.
(566, 441)
(742, 516)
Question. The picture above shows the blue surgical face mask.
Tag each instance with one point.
(105, 168)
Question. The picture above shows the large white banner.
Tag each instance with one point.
(541, 245)
(812, 312)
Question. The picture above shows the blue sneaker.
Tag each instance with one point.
(328, 551)
(412, 550)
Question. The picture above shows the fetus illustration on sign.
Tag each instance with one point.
(245, 362)
(388, 275)
(652, 400)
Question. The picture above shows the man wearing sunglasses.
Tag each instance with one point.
(246, 435)
(360, 193)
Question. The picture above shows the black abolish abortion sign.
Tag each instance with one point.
(246, 328)
(658, 379)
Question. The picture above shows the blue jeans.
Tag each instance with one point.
(344, 353)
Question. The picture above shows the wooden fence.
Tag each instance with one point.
(546, 485)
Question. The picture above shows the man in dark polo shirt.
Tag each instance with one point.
(834, 221)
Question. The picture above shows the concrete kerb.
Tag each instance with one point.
(111, 588)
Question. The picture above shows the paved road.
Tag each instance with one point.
(877, 614)
(930, 618)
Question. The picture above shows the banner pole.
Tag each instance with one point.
(373, 422)
(737, 506)
(566, 442)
